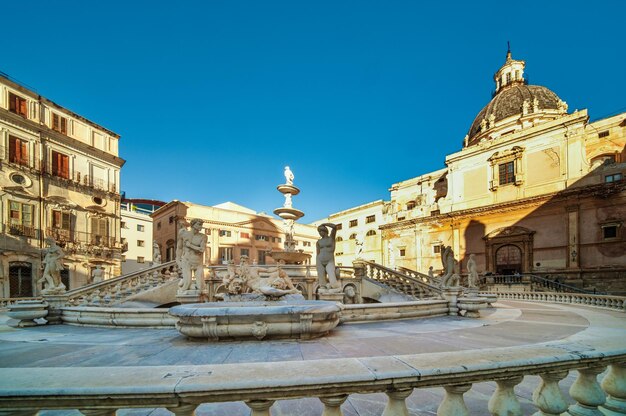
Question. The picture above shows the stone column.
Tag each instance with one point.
(548, 397)
(587, 393)
(614, 384)
(260, 407)
(332, 405)
(504, 402)
(451, 294)
(396, 404)
(55, 305)
(453, 404)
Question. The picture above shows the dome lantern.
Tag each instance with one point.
(511, 73)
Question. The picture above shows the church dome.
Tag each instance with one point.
(515, 104)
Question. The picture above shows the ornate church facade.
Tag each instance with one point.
(535, 189)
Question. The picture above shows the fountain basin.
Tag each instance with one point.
(25, 312)
(217, 321)
(290, 257)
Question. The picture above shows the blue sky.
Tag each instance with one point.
(212, 99)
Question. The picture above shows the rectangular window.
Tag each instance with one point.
(616, 177)
(402, 252)
(370, 219)
(141, 243)
(171, 219)
(61, 220)
(59, 123)
(159, 225)
(506, 172)
(410, 205)
(225, 233)
(60, 165)
(20, 214)
(17, 105)
(604, 133)
(339, 227)
(140, 259)
(244, 235)
(18, 151)
(437, 249)
(306, 243)
(435, 212)
(122, 224)
(354, 223)
(260, 237)
(99, 231)
(141, 227)
(401, 218)
(609, 232)
(244, 252)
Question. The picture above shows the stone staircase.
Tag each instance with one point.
(113, 292)
(415, 285)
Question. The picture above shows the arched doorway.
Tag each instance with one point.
(20, 279)
(508, 259)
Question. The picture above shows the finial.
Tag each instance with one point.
(508, 51)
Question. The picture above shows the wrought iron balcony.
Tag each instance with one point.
(21, 230)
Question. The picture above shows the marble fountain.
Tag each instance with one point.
(256, 307)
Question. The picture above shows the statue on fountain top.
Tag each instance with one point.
(289, 177)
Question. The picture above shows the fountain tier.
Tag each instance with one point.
(217, 321)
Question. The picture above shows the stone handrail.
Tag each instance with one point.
(401, 282)
(435, 280)
(602, 301)
(181, 389)
(537, 281)
(115, 291)
(4, 302)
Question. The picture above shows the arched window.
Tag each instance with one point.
(370, 233)
(353, 236)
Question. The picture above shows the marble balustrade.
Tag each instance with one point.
(601, 301)
(181, 389)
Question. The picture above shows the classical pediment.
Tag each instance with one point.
(509, 232)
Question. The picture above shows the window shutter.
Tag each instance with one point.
(12, 103)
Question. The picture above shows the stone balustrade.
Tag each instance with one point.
(404, 283)
(602, 301)
(115, 291)
(6, 302)
(181, 389)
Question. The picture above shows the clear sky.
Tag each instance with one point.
(213, 98)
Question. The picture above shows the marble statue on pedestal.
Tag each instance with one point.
(359, 247)
(97, 275)
(289, 177)
(190, 249)
(156, 253)
(472, 272)
(325, 260)
(53, 264)
(450, 265)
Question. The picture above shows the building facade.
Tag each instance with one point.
(535, 189)
(232, 231)
(358, 234)
(136, 233)
(59, 176)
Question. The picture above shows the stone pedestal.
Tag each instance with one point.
(25, 312)
(330, 295)
(451, 294)
(189, 296)
(471, 292)
(472, 306)
(55, 308)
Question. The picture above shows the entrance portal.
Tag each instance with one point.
(508, 260)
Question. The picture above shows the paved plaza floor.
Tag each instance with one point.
(509, 324)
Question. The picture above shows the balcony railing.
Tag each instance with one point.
(21, 230)
(78, 240)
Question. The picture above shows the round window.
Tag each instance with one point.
(18, 179)
(97, 200)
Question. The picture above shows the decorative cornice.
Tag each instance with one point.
(601, 190)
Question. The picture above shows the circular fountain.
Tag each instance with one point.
(218, 321)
